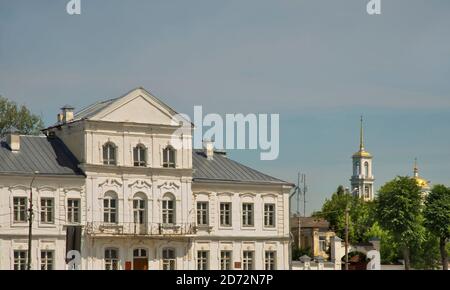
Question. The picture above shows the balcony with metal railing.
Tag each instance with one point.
(99, 229)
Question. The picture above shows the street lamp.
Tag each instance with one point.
(347, 211)
(30, 220)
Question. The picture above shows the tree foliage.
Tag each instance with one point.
(399, 212)
(437, 218)
(361, 215)
(20, 117)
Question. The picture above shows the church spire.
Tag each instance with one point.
(361, 136)
(416, 169)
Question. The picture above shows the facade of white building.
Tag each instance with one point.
(142, 202)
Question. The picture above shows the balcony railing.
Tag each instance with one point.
(136, 229)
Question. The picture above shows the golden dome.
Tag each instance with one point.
(362, 153)
(421, 182)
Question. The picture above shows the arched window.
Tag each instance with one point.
(366, 169)
(168, 209)
(169, 157)
(139, 209)
(357, 168)
(140, 155)
(168, 259)
(110, 208)
(111, 259)
(366, 192)
(109, 154)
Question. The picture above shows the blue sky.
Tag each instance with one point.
(320, 64)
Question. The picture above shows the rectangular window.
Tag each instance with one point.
(168, 211)
(47, 210)
(20, 260)
(225, 214)
(322, 244)
(248, 260)
(225, 260)
(270, 260)
(202, 260)
(247, 214)
(111, 259)
(47, 261)
(20, 209)
(168, 260)
(73, 210)
(139, 156)
(110, 210)
(269, 215)
(202, 213)
(169, 157)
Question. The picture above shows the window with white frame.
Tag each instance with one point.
(247, 214)
(225, 260)
(225, 214)
(202, 260)
(270, 260)
(139, 212)
(322, 244)
(169, 157)
(247, 260)
(168, 259)
(47, 210)
(20, 209)
(110, 209)
(109, 154)
(73, 210)
(20, 259)
(168, 209)
(140, 156)
(47, 260)
(269, 215)
(111, 259)
(202, 213)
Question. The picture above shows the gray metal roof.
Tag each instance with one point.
(93, 109)
(49, 156)
(221, 168)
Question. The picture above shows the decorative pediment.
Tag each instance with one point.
(138, 106)
(18, 187)
(110, 182)
(76, 189)
(269, 195)
(140, 184)
(169, 186)
(207, 193)
(248, 194)
(46, 188)
(230, 194)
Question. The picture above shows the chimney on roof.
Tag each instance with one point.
(66, 114)
(208, 146)
(13, 139)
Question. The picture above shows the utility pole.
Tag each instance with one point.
(298, 194)
(346, 236)
(30, 221)
(304, 194)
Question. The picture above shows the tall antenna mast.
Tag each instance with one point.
(305, 189)
(298, 194)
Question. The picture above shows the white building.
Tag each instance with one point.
(362, 178)
(142, 204)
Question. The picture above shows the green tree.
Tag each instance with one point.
(340, 190)
(13, 115)
(388, 247)
(361, 215)
(399, 212)
(437, 218)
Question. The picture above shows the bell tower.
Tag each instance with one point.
(362, 178)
